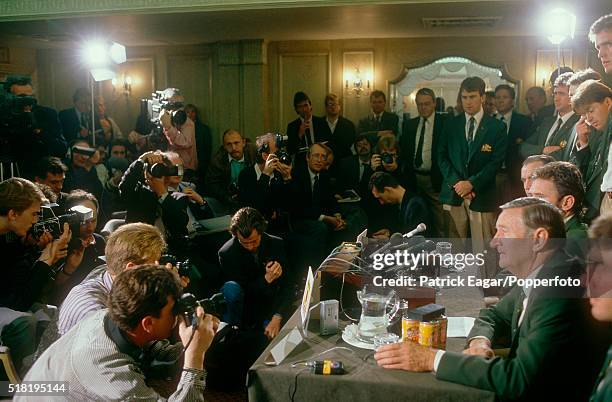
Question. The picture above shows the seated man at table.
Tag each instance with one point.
(555, 346)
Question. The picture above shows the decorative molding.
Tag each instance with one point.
(253, 52)
(15, 10)
(228, 53)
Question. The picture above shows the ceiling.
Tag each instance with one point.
(344, 21)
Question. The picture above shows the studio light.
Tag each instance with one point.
(559, 25)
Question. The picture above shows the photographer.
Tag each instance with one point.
(148, 200)
(83, 250)
(26, 271)
(264, 185)
(383, 218)
(82, 174)
(179, 129)
(108, 355)
(28, 131)
(51, 171)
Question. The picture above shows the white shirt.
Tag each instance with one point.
(564, 119)
(507, 117)
(526, 289)
(229, 157)
(478, 117)
(312, 182)
(606, 184)
(258, 171)
(427, 141)
(332, 124)
(311, 140)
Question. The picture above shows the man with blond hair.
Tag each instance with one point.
(128, 246)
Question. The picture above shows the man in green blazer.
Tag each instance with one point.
(470, 153)
(555, 346)
(600, 293)
(593, 99)
(553, 134)
(560, 183)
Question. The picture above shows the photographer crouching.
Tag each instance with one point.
(107, 356)
(26, 270)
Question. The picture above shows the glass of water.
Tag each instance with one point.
(385, 339)
(444, 249)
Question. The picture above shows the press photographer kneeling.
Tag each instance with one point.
(26, 270)
(106, 354)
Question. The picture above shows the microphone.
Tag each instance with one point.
(394, 240)
(421, 227)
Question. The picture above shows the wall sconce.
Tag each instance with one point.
(126, 85)
(354, 84)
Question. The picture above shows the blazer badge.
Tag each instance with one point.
(486, 148)
(518, 140)
(562, 144)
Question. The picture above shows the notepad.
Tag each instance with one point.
(459, 327)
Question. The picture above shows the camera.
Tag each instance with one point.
(186, 306)
(184, 267)
(17, 126)
(75, 217)
(83, 151)
(159, 170)
(157, 103)
(387, 158)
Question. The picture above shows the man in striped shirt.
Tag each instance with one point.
(128, 246)
(106, 356)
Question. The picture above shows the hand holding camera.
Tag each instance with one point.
(198, 339)
(273, 271)
(303, 127)
(271, 165)
(57, 249)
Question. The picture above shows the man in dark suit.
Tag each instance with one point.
(413, 208)
(547, 329)
(353, 172)
(306, 129)
(535, 97)
(379, 120)
(471, 152)
(256, 262)
(222, 177)
(148, 200)
(39, 135)
(518, 128)
(76, 121)
(313, 208)
(342, 130)
(265, 185)
(553, 134)
(419, 145)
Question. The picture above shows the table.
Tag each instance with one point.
(364, 381)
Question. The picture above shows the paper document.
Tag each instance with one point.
(459, 327)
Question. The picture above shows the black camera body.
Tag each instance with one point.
(16, 125)
(157, 103)
(76, 149)
(186, 306)
(386, 157)
(184, 267)
(75, 217)
(159, 170)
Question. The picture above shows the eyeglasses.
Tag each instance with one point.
(321, 157)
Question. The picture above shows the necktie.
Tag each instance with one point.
(236, 168)
(316, 194)
(559, 122)
(418, 158)
(470, 136)
(378, 121)
(502, 119)
(519, 310)
(364, 166)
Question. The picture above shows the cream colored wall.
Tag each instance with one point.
(518, 55)
(249, 84)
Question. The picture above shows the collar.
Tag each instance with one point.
(478, 116)
(334, 122)
(107, 280)
(532, 275)
(568, 218)
(378, 115)
(506, 116)
(229, 157)
(258, 171)
(312, 175)
(310, 119)
(565, 117)
(120, 339)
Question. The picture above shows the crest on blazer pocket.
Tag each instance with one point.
(486, 148)
(518, 140)
(562, 144)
